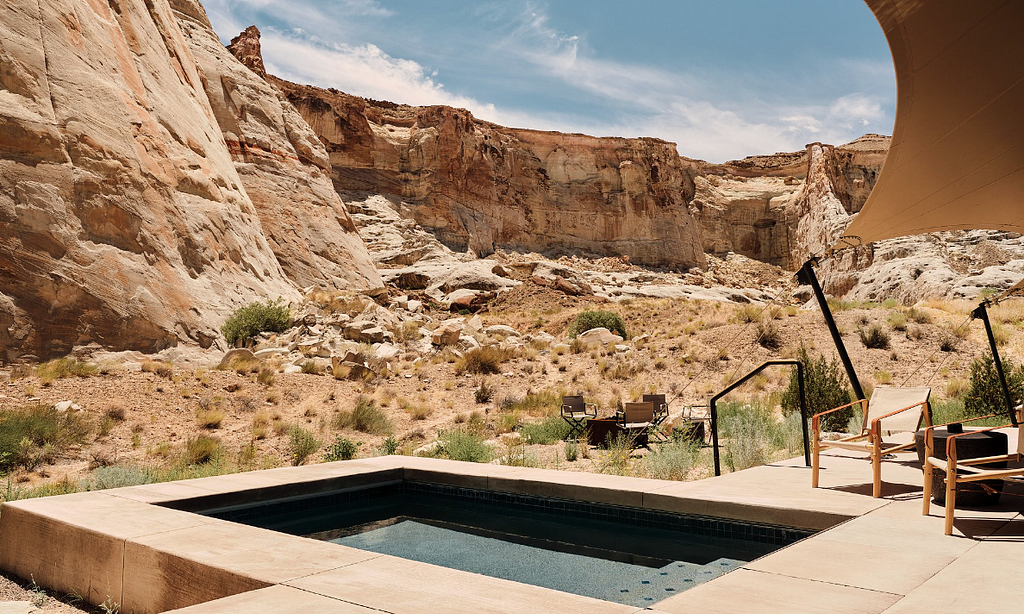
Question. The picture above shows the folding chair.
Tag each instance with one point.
(576, 412)
(636, 420)
(660, 413)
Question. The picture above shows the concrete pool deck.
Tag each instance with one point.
(142, 548)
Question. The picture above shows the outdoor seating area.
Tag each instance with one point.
(642, 422)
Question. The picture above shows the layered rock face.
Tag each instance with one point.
(124, 219)
(483, 187)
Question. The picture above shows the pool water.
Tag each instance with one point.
(627, 583)
(616, 553)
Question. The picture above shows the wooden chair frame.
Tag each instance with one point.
(869, 440)
(636, 418)
(963, 471)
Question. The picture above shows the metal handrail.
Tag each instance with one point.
(741, 381)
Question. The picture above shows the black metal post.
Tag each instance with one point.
(807, 276)
(803, 407)
(982, 313)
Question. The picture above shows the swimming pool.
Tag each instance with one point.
(616, 553)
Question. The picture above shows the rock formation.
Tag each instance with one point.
(483, 187)
(124, 219)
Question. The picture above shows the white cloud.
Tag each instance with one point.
(364, 70)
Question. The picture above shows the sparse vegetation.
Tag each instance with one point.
(343, 448)
(302, 444)
(548, 431)
(984, 394)
(587, 320)
(60, 368)
(463, 444)
(37, 433)
(201, 450)
(874, 337)
(365, 417)
(768, 335)
(483, 361)
(255, 318)
(484, 391)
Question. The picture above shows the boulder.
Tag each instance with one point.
(366, 332)
(501, 330)
(352, 371)
(67, 406)
(447, 334)
(414, 306)
(385, 351)
(235, 355)
(600, 336)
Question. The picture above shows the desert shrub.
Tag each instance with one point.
(898, 321)
(309, 367)
(365, 417)
(616, 459)
(201, 450)
(159, 367)
(302, 443)
(768, 335)
(484, 391)
(464, 445)
(389, 446)
(754, 434)
(119, 476)
(60, 368)
(919, 316)
(586, 320)
(483, 361)
(343, 448)
(984, 394)
(210, 418)
(541, 403)
(572, 451)
(31, 434)
(549, 431)
(255, 318)
(874, 337)
(672, 460)
(266, 376)
(824, 388)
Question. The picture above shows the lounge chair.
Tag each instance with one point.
(576, 412)
(890, 410)
(964, 471)
(636, 419)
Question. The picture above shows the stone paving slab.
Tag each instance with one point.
(275, 600)
(399, 586)
(754, 592)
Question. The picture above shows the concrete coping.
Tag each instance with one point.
(144, 548)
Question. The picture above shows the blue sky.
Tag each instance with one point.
(722, 79)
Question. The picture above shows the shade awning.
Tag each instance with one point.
(957, 155)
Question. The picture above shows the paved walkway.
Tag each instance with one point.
(889, 559)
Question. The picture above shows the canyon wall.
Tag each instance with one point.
(481, 187)
(124, 218)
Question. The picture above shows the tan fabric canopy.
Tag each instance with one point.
(957, 154)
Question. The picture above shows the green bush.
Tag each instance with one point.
(547, 432)
(825, 388)
(586, 320)
(389, 446)
(984, 393)
(343, 448)
(458, 444)
(302, 443)
(256, 318)
(34, 433)
(754, 435)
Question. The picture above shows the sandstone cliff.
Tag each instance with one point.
(124, 219)
(483, 187)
